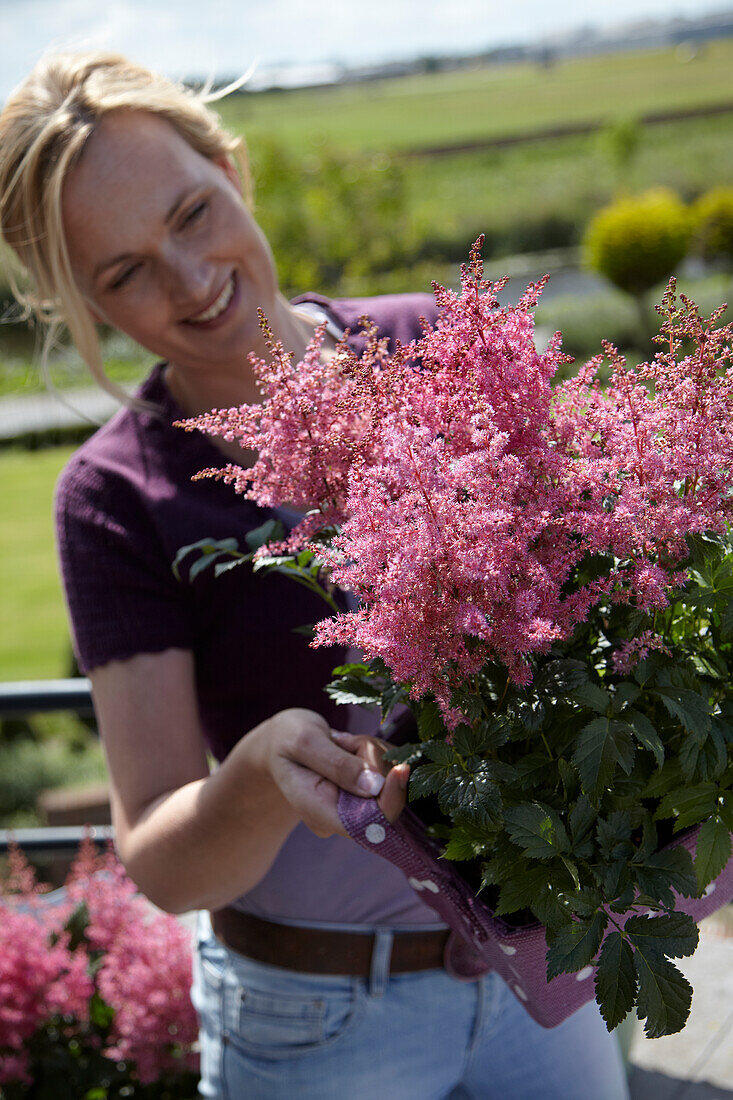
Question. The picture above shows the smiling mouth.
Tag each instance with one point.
(217, 307)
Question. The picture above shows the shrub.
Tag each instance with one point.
(638, 242)
(94, 989)
(713, 221)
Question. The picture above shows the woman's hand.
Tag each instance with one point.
(309, 763)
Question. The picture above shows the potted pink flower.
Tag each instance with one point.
(545, 578)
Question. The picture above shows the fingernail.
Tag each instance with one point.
(337, 735)
(370, 782)
(403, 777)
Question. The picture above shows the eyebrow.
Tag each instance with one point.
(178, 203)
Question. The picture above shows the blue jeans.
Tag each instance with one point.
(274, 1034)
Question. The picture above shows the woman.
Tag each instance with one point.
(120, 196)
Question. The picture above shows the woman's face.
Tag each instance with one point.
(163, 246)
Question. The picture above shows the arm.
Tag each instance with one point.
(194, 840)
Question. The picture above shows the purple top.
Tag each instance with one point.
(125, 505)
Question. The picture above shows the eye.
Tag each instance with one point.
(125, 276)
(194, 214)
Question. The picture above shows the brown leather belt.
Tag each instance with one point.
(321, 951)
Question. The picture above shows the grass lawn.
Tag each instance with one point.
(435, 109)
(34, 638)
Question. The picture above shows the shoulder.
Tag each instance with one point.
(399, 317)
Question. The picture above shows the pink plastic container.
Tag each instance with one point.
(480, 941)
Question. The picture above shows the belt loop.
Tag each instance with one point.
(380, 961)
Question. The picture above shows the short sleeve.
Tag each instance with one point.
(120, 591)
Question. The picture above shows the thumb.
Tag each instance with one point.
(393, 797)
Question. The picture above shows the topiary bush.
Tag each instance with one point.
(713, 223)
(638, 242)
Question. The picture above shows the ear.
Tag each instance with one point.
(228, 168)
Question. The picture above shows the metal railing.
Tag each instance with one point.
(42, 697)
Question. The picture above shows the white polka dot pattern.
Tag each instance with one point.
(374, 833)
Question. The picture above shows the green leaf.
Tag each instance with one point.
(615, 980)
(425, 779)
(439, 752)
(560, 676)
(602, 744)
(403, 754)
(522, 890)
(77, 924)
(713, 850)
(688, 707)
(673, 934)
(626, 694)
(592, 696)
(664, 997)
(645, 734)
(430, 723)
(271, 530)
(465, 842)
(536, 828)
(475, 797)
(575, 945)
(726, 621)
(663, 871)
(353, 691)
(581, 819)
(688, 805)
(100, 1013)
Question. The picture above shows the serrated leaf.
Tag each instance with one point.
(561, 675)
(688, 707)
(581, 819)
(425, 779)
(645, 734)
(532, 768)
(713, 850)
(575, 945)
(403, 754)
(688, 805)
(592, 696)
(615, 981)
(465, 842)
(439, 752)
(601, 745)
(664, 996)
(673, 934)
(664, 871)
(626, 693)
(475, 797)
(522, 889)
(537, 829)
(353, 691)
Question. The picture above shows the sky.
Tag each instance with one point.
(224, 37)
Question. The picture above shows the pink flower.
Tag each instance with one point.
(468, 490)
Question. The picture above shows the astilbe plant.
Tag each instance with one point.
(94, 988)
(545, 574)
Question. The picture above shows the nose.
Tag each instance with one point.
(191, 280)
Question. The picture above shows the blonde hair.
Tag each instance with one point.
(43, 130)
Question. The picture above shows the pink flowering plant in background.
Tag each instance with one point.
(94, 989)
(544, 574)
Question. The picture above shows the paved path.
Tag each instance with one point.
(54, 410)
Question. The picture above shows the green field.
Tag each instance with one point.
(34, 640)
(482, 103)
